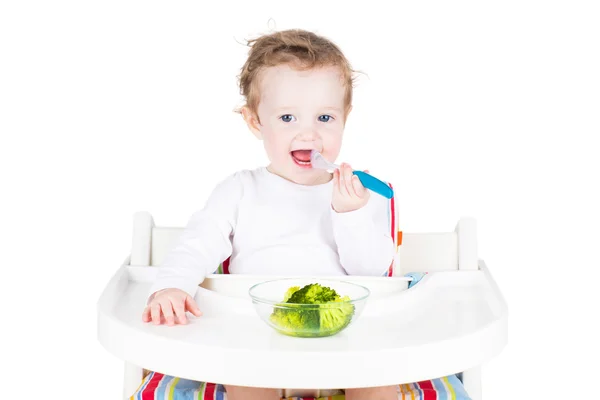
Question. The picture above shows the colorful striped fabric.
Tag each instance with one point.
(445, 388)
(157, 386)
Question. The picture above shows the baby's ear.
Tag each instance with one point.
(252, 122)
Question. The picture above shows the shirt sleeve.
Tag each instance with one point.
(363, 237)
(204, 243)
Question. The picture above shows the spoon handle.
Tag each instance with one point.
(374, 184)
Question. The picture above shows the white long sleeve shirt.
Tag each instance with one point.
(268, 225)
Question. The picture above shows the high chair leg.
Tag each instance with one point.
(468, 261)
(132, 378)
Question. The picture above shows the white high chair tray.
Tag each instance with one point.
(449, 322)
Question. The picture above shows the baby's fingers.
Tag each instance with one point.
(345, 180)
(178, 307)
(338, 183)
(146, 314)
(167, 309)
(192, 307)
(359, 189)
(336, 179)
(155, 312)
(349, 177)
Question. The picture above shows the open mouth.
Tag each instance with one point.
(301, 158)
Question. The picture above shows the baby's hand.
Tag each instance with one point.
(349, 194)
(168, 301)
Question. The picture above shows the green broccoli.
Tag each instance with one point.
(312, 311)
(290, 292)
(313, 294)
(335, 317)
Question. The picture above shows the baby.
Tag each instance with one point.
(286, 218)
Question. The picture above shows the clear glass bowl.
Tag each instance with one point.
(308, 320)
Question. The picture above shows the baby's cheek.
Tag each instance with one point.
(331, 153)
(331, 147)
(274, 148)
(281, 150)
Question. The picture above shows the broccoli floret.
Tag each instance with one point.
(290, 292)
(290, 321)
(323, 315)
(313, 294)
(335, 317)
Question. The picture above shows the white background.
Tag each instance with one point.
(479, 109)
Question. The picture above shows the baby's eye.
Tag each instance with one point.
(325, 118)
(287, 118)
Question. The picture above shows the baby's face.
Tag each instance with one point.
(301, 111)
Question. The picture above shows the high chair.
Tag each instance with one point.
(450, 322)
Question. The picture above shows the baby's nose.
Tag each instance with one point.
(308, 133)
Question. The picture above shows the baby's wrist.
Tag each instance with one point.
(344, 210)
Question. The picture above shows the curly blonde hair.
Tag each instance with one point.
(299, 48)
